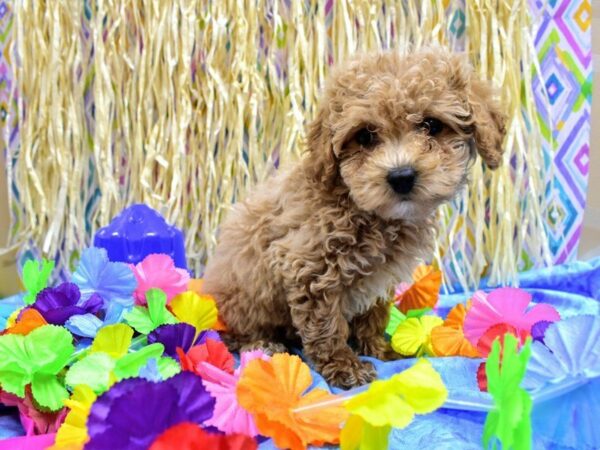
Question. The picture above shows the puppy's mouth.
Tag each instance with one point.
(404, 198)
(405, 208)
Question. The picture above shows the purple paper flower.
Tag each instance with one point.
(538, 330)
(57, 304)
(134, 412)
(180, 335)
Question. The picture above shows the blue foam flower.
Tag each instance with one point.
(113, 281)
(566, 368)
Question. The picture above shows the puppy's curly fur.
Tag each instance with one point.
(313, 252)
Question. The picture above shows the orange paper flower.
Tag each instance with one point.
(30, 320)
(449, 339)
(195, 284)
(456, 316)
(424, 292)
(272, 392)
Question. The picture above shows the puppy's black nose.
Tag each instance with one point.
(402, 180)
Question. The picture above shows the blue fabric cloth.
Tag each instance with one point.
(10, 424)
(573, 289)
(8, 306)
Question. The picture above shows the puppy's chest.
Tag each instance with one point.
(396, 266)
(367, 290)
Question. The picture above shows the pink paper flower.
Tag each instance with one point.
(159, 271)
(229, 417)
(508, 306)
(401, 289)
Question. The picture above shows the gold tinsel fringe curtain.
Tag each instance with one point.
(184, 104)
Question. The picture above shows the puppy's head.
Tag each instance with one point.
(398, 132)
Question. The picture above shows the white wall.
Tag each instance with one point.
(9, 283)
(590, 239)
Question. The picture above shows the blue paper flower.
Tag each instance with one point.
(151, 372)
(84, 325)
(568, 363)
(113, 281)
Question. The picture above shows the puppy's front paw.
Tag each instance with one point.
(348, 372)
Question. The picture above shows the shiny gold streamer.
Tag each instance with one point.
(194, 101)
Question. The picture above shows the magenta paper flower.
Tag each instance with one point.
(229, 417)
(507, 306)
(159, 271)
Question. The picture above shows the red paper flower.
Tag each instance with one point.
(484, 345)
(212, 352)
(189, 436)
(482, 377)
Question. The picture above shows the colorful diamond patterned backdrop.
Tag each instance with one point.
(563, 43)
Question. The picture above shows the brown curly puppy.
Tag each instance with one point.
(314, 251)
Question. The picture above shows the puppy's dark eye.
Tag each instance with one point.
(432, 126)
(366, 138)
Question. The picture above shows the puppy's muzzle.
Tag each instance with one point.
(402, 179)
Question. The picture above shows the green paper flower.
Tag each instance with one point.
(129, 365)
(510, 420)
(35, 278)
(108, 360)
(95, 370)
(145, 320)
(168, 367)
(396, 317)
(36, 359)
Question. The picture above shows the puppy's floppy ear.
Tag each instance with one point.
(488, 122)
(321, 162)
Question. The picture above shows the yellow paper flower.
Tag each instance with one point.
(113, 340)
(391, 403)
(72, 433)
(12, 319)
(413, 336)
(194, 309)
